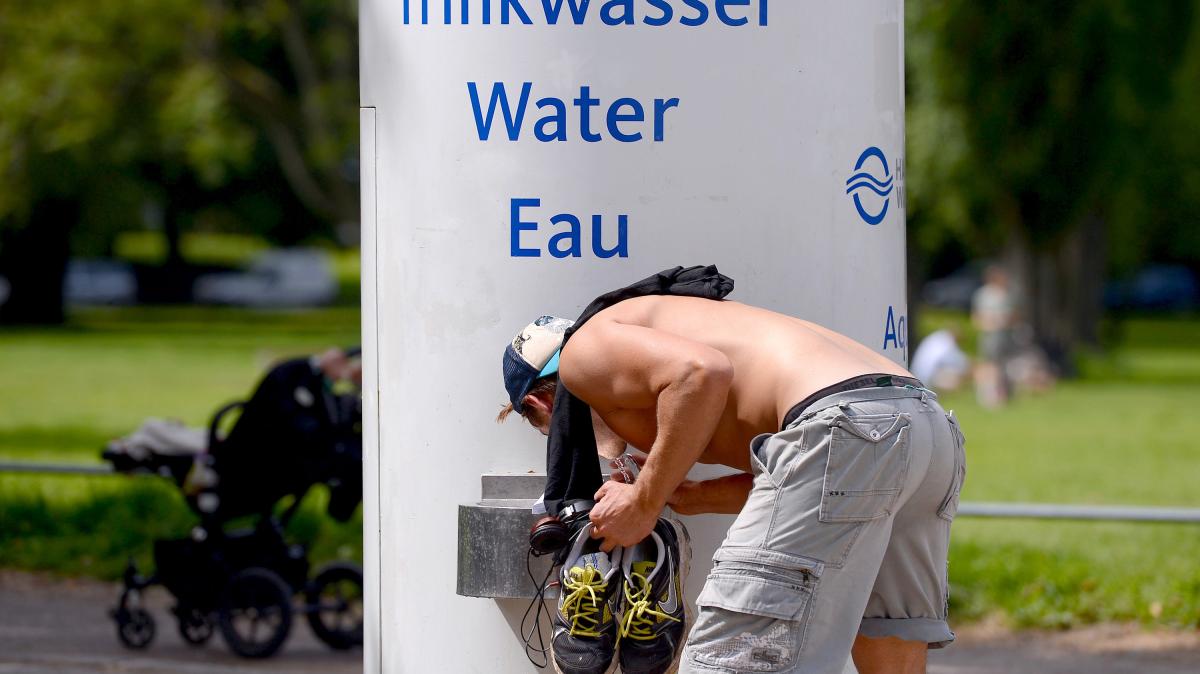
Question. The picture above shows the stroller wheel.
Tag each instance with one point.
(194, 626)
(135, 625)
(255, 613)
(335, 605)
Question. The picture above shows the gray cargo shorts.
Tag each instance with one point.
(845, 532)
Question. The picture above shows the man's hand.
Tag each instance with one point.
(685, 500)
(619, 517)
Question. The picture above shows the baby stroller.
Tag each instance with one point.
(302, 426)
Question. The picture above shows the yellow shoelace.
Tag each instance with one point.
(583, 605)
(639, 619)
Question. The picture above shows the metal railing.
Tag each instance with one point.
(55, 468)
(1052, 511)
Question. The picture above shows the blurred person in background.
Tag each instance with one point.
(342, 369)
(994, 316)
(940, 362)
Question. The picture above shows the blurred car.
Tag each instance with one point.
(953, 291)
(99, 281)
(299, 277)
(1157, 287)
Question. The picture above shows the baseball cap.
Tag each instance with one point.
(533, 354)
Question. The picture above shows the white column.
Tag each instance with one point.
(738, 144)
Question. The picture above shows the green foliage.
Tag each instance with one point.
(72, 525)
(1029, 115)
(1045, 137)
(93, 526)
(88, 87)
(220, 115)
(1156, 209)
(1031, 123)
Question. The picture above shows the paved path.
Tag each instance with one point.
(61, 627)
(1103, 649)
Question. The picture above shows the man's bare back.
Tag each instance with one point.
(775, 360)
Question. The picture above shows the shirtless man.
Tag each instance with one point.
(850, 474)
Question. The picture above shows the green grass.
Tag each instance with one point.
(1110, 443)
(93, 525)
(65, 392)
(1126, 434)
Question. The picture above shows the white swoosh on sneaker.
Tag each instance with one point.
(672, 603)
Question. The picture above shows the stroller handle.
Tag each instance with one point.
(215, 426)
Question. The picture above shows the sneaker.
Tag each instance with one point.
(585, 629)
(654, 623)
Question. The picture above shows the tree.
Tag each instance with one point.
(89, 89)
(106, 105)
(291, 66)
(1024, 122)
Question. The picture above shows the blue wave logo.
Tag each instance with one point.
(866, 180)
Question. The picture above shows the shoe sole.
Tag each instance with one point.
(685, 566)
(611, 668)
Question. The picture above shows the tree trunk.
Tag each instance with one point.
(173, 233)
(1092, 254)
(1052, 324)
(1038, 291)
(1059, 289)
(33, 257)
(174, 282)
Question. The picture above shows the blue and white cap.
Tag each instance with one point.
(532, 355)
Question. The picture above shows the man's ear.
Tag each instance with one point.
(541, 404)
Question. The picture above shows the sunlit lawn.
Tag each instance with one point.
(1127, 434)
(64, 392)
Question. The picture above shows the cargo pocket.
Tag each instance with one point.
(753, 615)
(866, 467)
(949, 507)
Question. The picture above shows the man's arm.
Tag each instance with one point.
(723, 495)
(614, 366)
(608, 444)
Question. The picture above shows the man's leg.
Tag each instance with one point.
(906, 614)
(889, 656)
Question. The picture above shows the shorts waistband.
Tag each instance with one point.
(818, 400)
